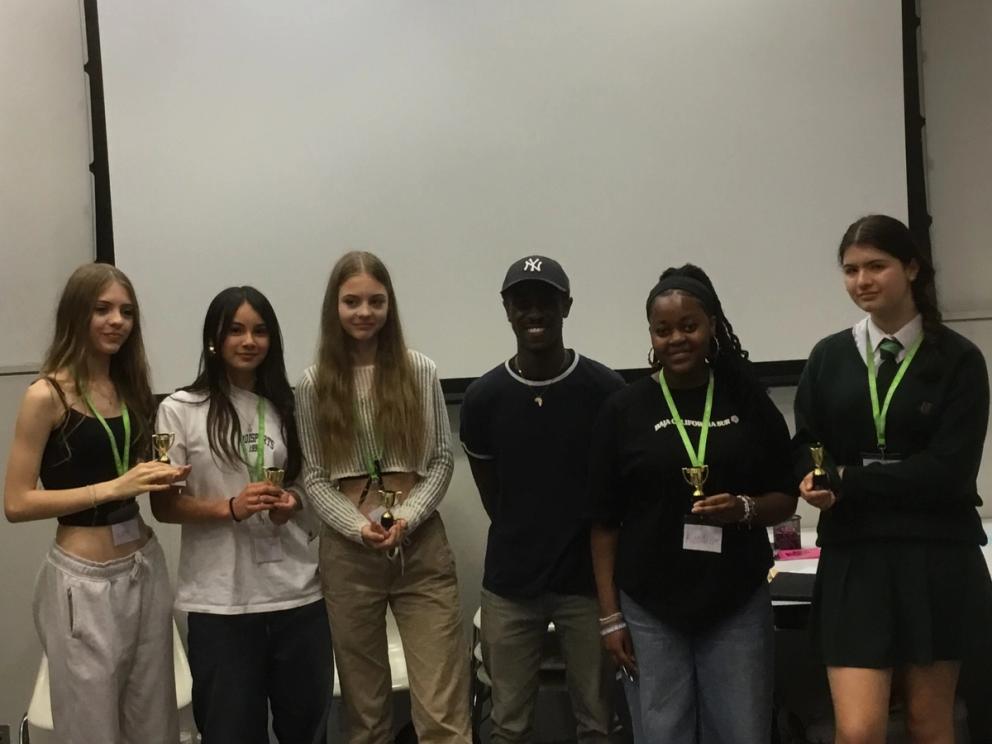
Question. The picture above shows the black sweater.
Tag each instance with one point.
(936, 423)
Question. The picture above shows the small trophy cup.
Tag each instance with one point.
(821, 481)
(387, 519)
(275, 476)
(162, 442)
(696, 477)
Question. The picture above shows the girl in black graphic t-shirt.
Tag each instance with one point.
(682, 578)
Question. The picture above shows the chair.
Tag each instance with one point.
(39, 713)
(397, 661)
(400, 681)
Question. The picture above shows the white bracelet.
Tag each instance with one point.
(610, 619)
(749, 508)
(612, 628)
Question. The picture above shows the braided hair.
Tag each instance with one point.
(728, 359)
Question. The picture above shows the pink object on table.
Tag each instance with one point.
(795, 555)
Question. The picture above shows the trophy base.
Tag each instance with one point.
(821, 482)
(165, 460)
(387, 520)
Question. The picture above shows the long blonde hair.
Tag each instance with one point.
(399, 415)
(70, 347)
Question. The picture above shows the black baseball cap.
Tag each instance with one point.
(536, 269)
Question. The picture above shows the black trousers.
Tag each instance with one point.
(242, 664)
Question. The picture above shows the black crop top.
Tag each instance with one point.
(78, 454)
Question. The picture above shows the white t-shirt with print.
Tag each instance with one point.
(219, 567)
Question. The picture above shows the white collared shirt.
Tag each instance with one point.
(907, 336)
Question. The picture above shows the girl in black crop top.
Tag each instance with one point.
(83, 430)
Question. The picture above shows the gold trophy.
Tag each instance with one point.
(275, 476)
(387, 519)
(821, 481)
(162, 442)
(696, 477)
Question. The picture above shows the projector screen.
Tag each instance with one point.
(254, 142)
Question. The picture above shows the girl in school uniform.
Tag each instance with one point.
(681, 565)
(900, 405)
(376, 463)
(258, 634)
(102, 601)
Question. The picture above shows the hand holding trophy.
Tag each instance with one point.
(162, 441)
(386, 519)
(275, 476)
(696, 477)
(821, 481)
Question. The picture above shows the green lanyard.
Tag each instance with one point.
(370, 444)
(256, 473)
(879, 414)
(121, 464)
(697, 459)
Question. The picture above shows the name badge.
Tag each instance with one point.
(707, 538)
(880, 458)
(125, 532)
(266, 548)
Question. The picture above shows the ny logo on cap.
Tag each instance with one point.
(532, 264)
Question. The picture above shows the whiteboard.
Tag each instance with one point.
(253, 142)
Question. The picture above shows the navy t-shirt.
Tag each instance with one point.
(541, 515)
(637, 483)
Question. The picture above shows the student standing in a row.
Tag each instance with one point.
(900, 402)
(526, 426)
(258, 633)
(688, 467)
(103, 606)
(376, 463)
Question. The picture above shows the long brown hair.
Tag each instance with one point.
(399, 415)
(70, 347)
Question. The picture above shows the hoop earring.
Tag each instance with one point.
(653, 363)
(714, 349)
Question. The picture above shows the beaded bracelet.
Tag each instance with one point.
(612, 628)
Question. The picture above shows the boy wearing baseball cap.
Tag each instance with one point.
(526, 427)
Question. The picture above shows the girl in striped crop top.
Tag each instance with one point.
(376, 463)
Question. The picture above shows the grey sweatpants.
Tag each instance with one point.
(107, 631)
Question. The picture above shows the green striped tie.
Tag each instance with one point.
(888, 351)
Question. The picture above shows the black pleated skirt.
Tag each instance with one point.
(885, 605)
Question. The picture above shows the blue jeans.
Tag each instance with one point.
(709, 687)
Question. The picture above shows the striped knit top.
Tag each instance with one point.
(321, 479)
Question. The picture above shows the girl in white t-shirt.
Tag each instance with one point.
(258, 632)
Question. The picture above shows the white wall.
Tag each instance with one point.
(453, 137)
(956, 45)
(46, 206)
